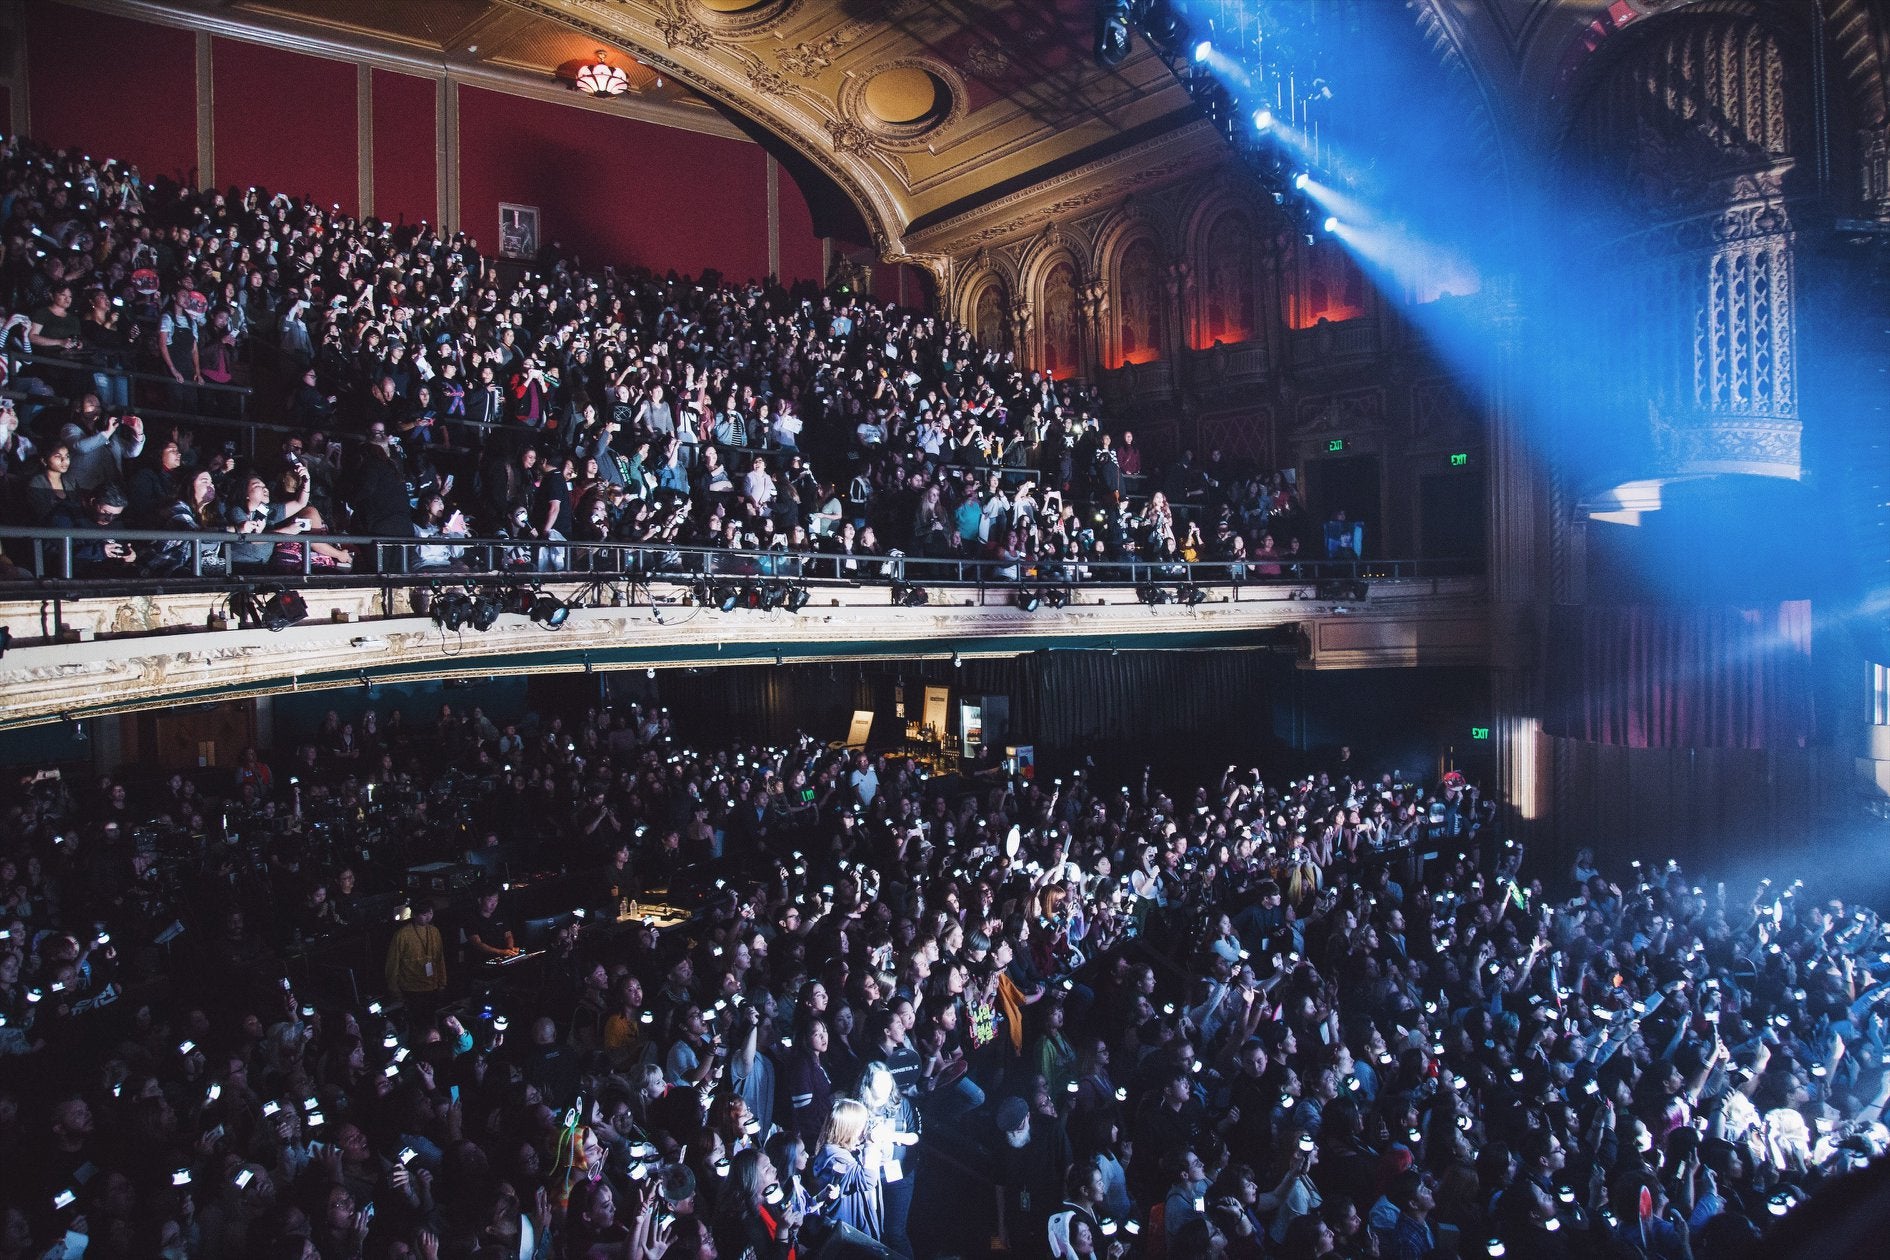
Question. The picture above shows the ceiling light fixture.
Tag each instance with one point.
(602, 79)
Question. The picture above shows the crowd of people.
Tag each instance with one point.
(796, 1001)
(421, 389)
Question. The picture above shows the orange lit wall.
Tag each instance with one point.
(1332, 288)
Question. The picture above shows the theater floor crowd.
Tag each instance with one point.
(419, 389)
(1283, 1018)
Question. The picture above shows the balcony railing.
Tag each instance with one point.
(1327, 342)
(70, 563)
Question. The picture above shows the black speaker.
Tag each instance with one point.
(1340, 588)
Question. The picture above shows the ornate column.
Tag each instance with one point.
(1180, 284)
(1017, 327)
(1516, 610)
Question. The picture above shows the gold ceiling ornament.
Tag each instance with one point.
(903, 104)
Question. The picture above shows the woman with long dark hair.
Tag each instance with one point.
(755, 1214)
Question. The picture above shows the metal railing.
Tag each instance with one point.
(143, 382)
(75, 561)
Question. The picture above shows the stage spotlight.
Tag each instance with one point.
(1113, 42)
(905, 595)
(1151, 594)
(1263, 120)
(772, 597)
(451, 609)
(1057, 597)
(750, 596)
(549, 611)
(1164, 25)
(1301, 180)
(283, 609)
(727, 597)
(1203, 50)
(1331, 224)
(1028, 601)
(487, 606)
(797, 598)
(1190, 595)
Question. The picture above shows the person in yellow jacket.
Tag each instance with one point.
(416, 966)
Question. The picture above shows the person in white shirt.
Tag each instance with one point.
(758, 485)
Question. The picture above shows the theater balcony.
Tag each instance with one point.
(1227, 367)
(1327, 344)
(1139, 384)
(83, 648)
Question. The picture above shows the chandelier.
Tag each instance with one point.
(602, 79)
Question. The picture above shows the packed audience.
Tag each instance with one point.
(757, 1001)
(420, 389)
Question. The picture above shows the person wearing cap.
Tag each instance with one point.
(1028, 1157)
(416, 964)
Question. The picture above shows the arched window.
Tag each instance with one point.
(1227, 283)
(1061, 343)
(1138, 305)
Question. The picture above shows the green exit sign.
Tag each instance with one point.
(1460, 460)
(1335, 445)
(1479, 732)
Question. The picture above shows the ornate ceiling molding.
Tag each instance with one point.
(1195, 147)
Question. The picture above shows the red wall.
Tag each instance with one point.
(613, 189)
(149, 118)
(406, 165)
(801, 251)
(285, 122)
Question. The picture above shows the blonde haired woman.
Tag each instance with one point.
(841, 1176)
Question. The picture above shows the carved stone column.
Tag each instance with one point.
(1180, 281)
(1017, 327)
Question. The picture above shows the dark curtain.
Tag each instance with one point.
(1683, 677)
(1058, 699)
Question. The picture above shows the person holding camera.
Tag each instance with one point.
(255, 516)
(108, 347)
(97, 556)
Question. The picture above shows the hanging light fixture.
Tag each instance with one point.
(602, 79)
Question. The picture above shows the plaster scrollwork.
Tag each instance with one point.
(744, 23)
(768, 82)
(809, 58)
(684, 32)
(849, 137)
(804, 61)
